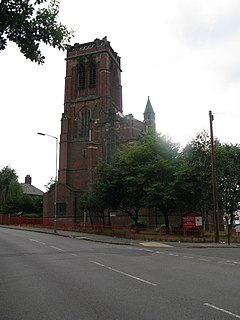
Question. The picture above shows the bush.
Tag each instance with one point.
(140, 224)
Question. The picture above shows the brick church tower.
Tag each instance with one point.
(92, 125)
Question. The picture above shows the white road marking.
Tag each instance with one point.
(227, 262)
(188, 257)
(222, 310)
(59, 249)
(125, 274)
(201, 259)
(37, 240)
(73, 254)
(173, 254)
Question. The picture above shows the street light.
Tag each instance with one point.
(55, 196)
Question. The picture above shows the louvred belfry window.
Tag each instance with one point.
(92, 74)
(82, 76)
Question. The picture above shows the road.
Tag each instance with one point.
(45, 276)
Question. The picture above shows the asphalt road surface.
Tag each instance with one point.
(49, 277)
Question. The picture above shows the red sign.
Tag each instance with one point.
(192, 221)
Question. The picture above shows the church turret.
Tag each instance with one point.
(149, 115)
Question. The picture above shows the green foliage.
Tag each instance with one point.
(228, 178)
(139, 224)
(152, 172)
(139, 177)
(193, 179)
(23, 203)
(50, 185)
(12, 198)
(30, 24)
(9, 185)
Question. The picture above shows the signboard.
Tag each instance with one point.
(198, 221)
(237, 228)
(192, 221)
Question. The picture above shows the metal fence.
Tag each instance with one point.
(147, 233)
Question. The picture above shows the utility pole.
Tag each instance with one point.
(214, 183)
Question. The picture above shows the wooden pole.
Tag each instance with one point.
(214, 184)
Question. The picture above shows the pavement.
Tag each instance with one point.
(122, 241)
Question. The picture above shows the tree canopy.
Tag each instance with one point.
(29, 24)
(154, 173)
(139, 177)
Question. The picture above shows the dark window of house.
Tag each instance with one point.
(61, 209)
(84, 123)
(92, 74)
(82, 76)
(84, 153)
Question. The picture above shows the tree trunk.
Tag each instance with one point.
(90, 217)
(109, 218)
(166, 218)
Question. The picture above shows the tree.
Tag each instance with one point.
(50, 185)
(228, 179)
(8, 182)
(12, 198)
(160, 175)
(193, 185)
(139, 177)
(30, 24)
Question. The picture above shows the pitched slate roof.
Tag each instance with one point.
(31, 190)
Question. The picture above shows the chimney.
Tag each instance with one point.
(28, 179)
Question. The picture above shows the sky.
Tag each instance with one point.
(183, 54)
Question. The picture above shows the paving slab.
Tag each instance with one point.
(155, 244)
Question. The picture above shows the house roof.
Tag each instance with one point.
(31, 190)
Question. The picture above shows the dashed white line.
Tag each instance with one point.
(73, 254)
(222, 310)
(59, 249)
(228, 263)
(188, 257)
(37, 240)
(202, 259)
(124, 273)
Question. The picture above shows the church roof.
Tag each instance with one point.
(149, 108)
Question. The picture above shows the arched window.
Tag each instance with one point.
(82, 76)
(92, 74)
(84, 123)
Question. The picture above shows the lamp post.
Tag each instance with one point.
(55, 195)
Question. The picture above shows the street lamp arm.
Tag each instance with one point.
(45, 134)
(55, 193)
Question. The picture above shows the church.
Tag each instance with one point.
(93, 125)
